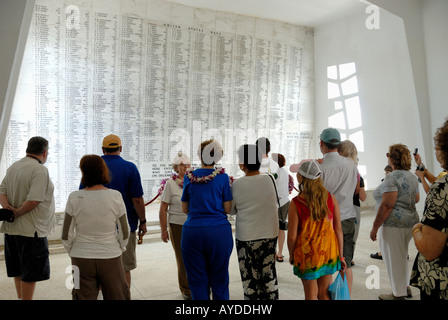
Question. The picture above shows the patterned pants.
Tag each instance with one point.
(257, 266)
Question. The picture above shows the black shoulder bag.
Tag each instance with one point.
(6, 215)
(282, 224)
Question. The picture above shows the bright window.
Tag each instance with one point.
(343, 94)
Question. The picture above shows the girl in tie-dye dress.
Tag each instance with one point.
(314, 232)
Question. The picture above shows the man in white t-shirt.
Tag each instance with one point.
(340, 177)
(27, 190)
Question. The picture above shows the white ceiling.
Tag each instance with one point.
(311, 13)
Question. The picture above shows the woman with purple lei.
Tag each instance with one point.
(207, 240)
(172, 218)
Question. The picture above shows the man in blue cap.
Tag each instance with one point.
(340, 177)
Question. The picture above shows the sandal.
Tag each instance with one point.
(279, 258)
(376, 256)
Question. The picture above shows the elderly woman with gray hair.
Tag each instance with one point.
(171, 212)
(396, 214)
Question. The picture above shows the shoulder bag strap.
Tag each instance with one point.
(275, 187)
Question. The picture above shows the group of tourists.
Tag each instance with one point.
(320, 224)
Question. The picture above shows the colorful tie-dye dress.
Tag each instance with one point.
(317, 250)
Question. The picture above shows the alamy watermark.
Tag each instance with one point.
(230, 140)
(373, 280)
(73, 280)
(373, 20)
(72, 17)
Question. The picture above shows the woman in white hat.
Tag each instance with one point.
(314, 232)
(172, 216)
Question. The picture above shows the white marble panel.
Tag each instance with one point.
(282, 32)
(245, 25)
(307, 76)
(309, 38)
(264, 29)
(182, 15)
(225, 22)
(204, 18)
(158, 10)
(133, 7)
(84, 4)
(306, 106)
(106, 6)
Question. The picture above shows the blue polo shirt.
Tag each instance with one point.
(125, 178)
(205, 200)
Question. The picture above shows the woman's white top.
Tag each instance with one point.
(171, 195)
(97, 220)
(283, 186)
(255, 205)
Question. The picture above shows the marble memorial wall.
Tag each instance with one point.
(163, 77)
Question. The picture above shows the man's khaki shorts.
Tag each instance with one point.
(129, 257)
(348, 229)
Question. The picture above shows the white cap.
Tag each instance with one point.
(181, 158)
(295, 167)
(309, 169)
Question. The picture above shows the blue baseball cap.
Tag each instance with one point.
(331, 135)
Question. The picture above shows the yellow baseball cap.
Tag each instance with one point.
(111, 141)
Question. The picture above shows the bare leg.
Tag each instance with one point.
(323, 283)
(25, 290)
(311, 289)
(281, 240)
(317, 289)
(349, 275)
(28, 290)
(18, 284)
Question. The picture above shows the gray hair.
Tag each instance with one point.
(180, 158)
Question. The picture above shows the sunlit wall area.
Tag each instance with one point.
(365, 88)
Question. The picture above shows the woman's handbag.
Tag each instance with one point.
(339, 288)
(6, 215)
(282, 224)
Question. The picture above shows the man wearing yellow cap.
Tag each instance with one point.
(125, 178)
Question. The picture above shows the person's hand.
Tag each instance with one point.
(16, 213)
(373, 233)
(420, 174)
(142, 229)
(320, 161)
(343, 265)
(417, 158)
(417, 226)
(165, 236)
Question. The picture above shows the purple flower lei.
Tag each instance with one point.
(192, 178)
(175, 177)
(206, 179)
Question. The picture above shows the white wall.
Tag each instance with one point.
(435, 30)
(15, 19)
(389, 107)
(426, 29)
